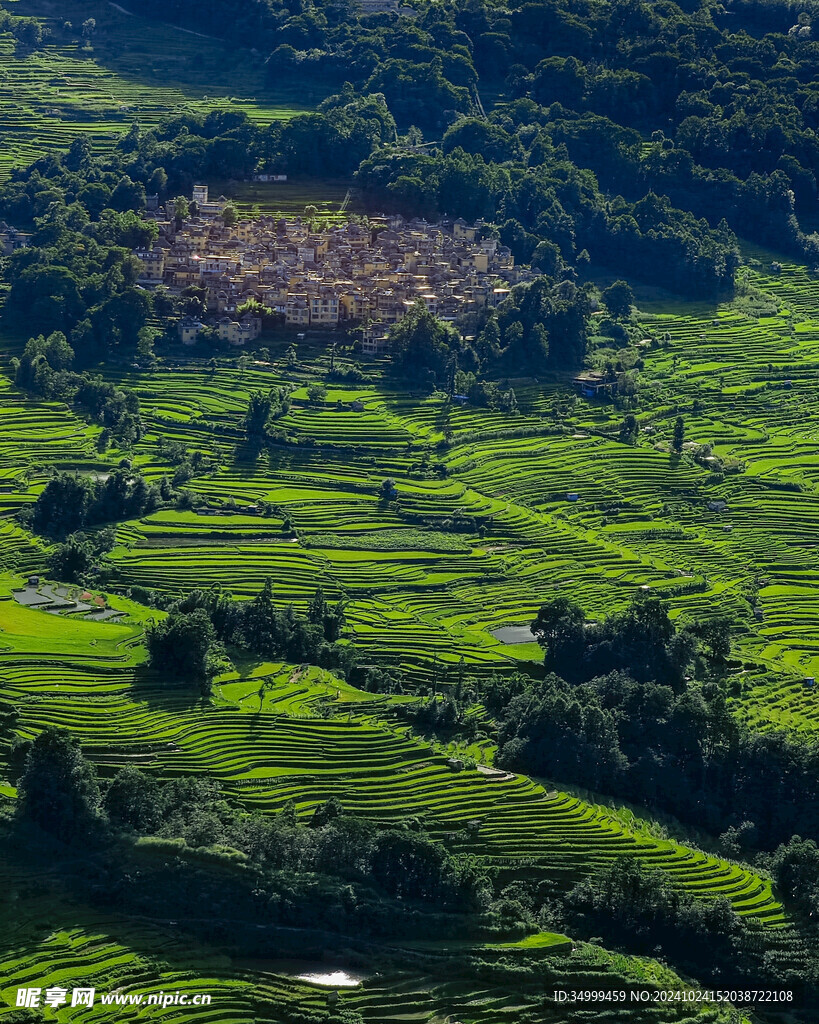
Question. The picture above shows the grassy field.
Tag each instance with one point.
(332, 199)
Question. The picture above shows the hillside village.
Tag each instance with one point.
(342, 275)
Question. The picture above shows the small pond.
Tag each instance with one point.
(513, 635)
(315, 972)
(333, 978)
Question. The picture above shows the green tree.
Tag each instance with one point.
(560, 628)
(317, 609)
(182, 211)
(182, 646)
(72, 560)
(145, 345)
(421, 344)
(132, 800)
(63, 505)
(679, 435)
(59, 354)
(327, 812)
(619, 298)
(254, 307)
(58, 790)
(629, 429)
(258, 414)
(795, 867)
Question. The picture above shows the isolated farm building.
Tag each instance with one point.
(455, 764)
(717, 506)
(11, 239)
(594, 384)
(34, 581)
(357, 405)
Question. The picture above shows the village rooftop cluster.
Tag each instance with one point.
(344, 275)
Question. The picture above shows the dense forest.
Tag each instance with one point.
(636, 705)
(642, 132)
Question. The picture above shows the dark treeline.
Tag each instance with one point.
(45, 369)
(625, 717)
(541, 326)
(72, 501)
(80, 512)
(630, 905)
(187, 645)
(333, 871)
(29, 32)
(727, 96)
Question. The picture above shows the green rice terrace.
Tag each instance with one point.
(564, 504)
(132, 69)
(287, 722)
(268, 738)
(55, 938)
(273, 733)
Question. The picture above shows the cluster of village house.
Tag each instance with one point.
(348, 274)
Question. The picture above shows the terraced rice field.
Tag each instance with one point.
(333, 200)
(640, 519)
(306, 736)
(51, 941)
(135, 71)
(415, 585)
(412, 583)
